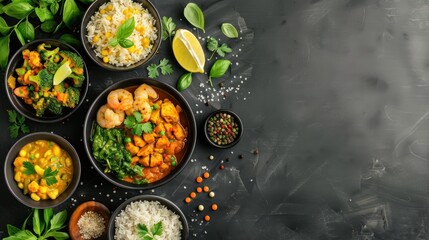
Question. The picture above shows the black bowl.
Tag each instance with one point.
(101, 100)
(236, 119)
(9, 172)
(167, 203)
(92, 9)
(26, 109)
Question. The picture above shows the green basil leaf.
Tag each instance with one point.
(229, 30)
(37, 227)
(57, 235)
(54, 7)
(19, 35)
(44, 14)
(126, 43)
(4, 28)
(219, 68)
(126, 29)
(47, 215)
(1, 8)
(48, 26)
(113, 42)
(27, 31)
(71, 39)
(18, 10)
(194, 15)
(184, 81)
(57, 222)
(71, 13)
(12, 230)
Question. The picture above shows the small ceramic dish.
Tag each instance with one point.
(220, 134)
(93, 206)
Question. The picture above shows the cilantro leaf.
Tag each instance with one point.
(17, 123)
(168, 27)
(13, 131)
(137, 129)
(166, 68)
(213, 46)
(223, 49)
(24, 129)
(130, 121)
(147, 127)
(138, 117)
(142, 230)
(12, 115)
(157, 229)
(29, 168)
(49, 176)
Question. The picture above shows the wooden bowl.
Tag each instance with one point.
(86, 207)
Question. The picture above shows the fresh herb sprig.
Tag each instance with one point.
(48, 13)
(213, 46)
(123, 32)
(135, 123)
(17, 123)
(168, 27)
(45, 226)
(166, 68)
(229, 30)
(145, 234)
(48, 174)
(184, 81)
(218, 69)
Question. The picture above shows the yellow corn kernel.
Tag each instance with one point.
(43, 189)
(131, 49)
(125, 12)
(33, 187)
(35, 197)
(20, 185)
(22, 153)
(145, 42)
(105, 52)
(138, 51)
(95, 39)
(45, 94)
(48, 153)
(103, 11)
(110, 7)
(108, 34)
(53, 194)
(57, 151)
(105, 59)
(68, 162)
(39, 170)
(37, 155)
(43, 196)
(108, 18)
(18, 176)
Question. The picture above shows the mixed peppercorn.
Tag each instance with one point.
(222, 129)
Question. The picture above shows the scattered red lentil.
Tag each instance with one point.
(206, 175)
(199, 189)
(192, 194)
(199, 179)
(207, 218)
(214, 206)
(188, 200)
(206, 189)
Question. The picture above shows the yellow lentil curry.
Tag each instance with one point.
(43, 170)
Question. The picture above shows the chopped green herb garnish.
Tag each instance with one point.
(29, 168)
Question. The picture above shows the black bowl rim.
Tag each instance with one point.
(111, 67)
(88, 123)
(9, 71)
(240, 131)
(7, 167)
(164, 201)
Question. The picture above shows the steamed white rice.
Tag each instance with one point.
(103, 26)
(148, 213)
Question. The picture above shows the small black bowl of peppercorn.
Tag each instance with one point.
(223, 128)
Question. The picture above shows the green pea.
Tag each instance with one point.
(173, 163)
(127, 140)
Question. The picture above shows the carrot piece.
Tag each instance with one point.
(199, 189)
(214, 206)
(206, 175)
(199, 179)
(192, 194)
(187, 200)
(128, 179)
(207, 218)
(206, 188)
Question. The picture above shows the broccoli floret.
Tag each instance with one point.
(40, 107)
(43, 79)
(59, 88)
(77, 80)
(51, 66)
(46, 54)
(54, 106)
(73, 96)
(75, 60)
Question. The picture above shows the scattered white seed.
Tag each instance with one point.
(200, 207)
(211, 194)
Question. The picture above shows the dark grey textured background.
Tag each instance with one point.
(336, 103)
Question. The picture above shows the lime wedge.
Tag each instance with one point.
(188, 51)
(62, 73)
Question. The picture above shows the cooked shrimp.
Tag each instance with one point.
(151, 93)
(144, 108)
(120, 99)
(109, 118)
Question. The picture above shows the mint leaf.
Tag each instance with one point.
(29, 168)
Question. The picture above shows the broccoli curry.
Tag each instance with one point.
(146, 143)
(43, 170)
(33, 81)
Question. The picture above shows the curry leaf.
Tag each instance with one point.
(18, 10)
(27, 30)
(218, 69)
(194, 15)
(71, 13)
(184, 81)
(229, 30)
